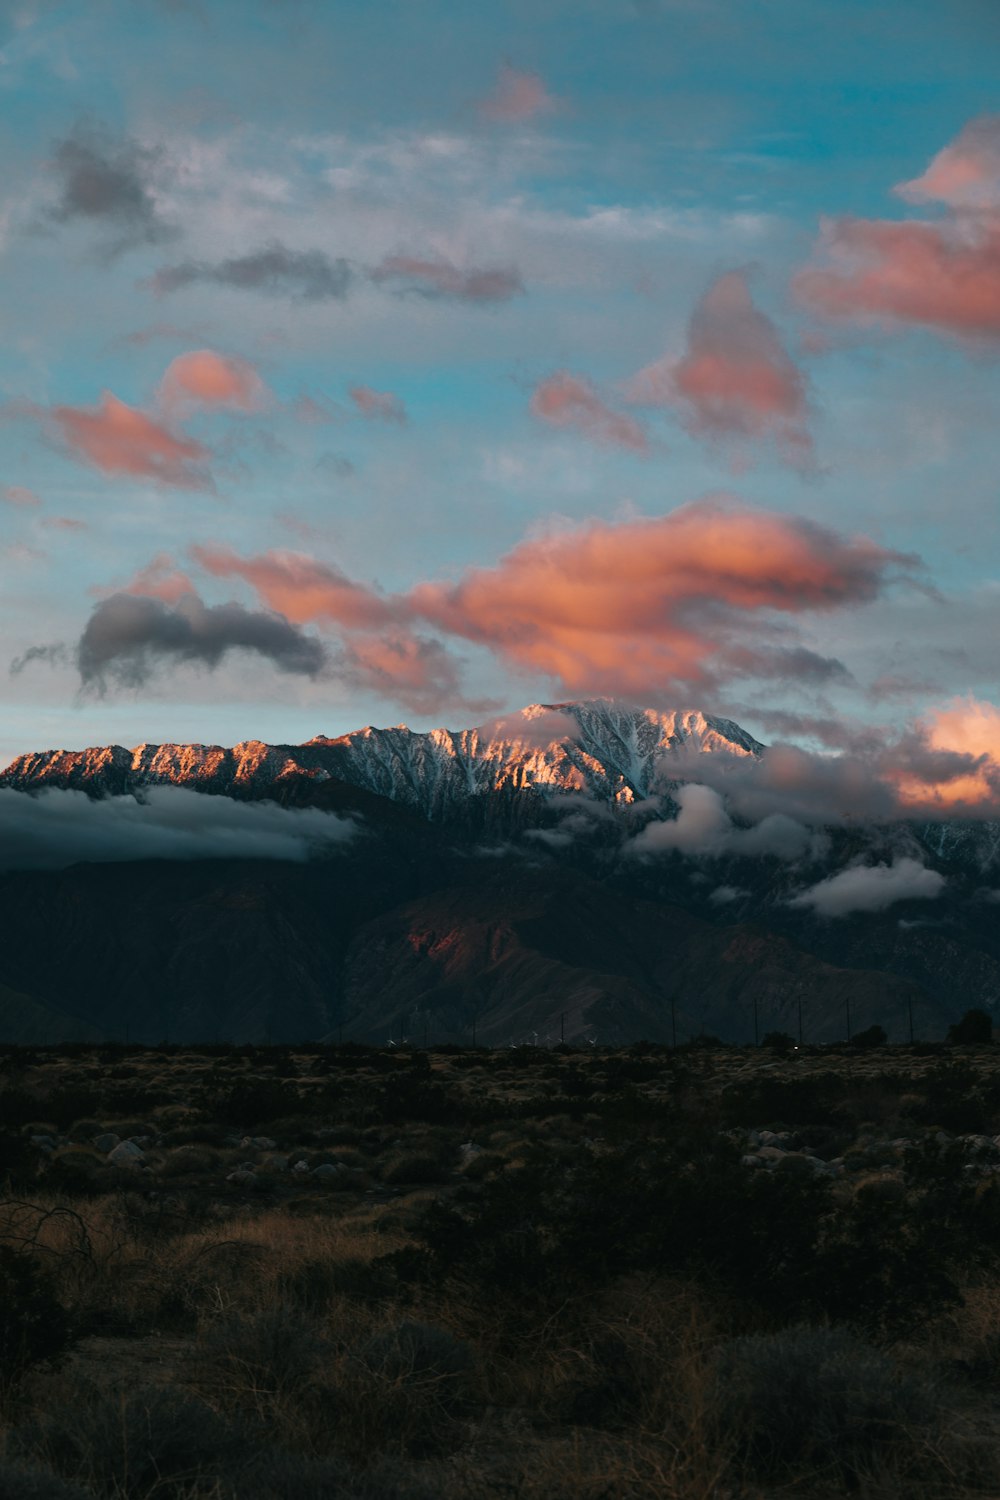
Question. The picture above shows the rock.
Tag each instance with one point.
(43, 1142)
(126, 1154)
(302, 1167)
(106, 1142)
(750, 1160)
(264, 1143)
(328, 1171)
(771, 1155)
(242, 1177)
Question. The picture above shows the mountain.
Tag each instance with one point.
(494, 881)
(598, 748)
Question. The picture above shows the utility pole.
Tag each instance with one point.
(800, 1018)
(473, 1031)
(673, 1021)
(847, 1002)
(562, 1027)
(756, 1037)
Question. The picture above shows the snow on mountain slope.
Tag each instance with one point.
(600, 748)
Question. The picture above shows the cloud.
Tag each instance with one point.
(966, 173)
(566, 400)
(203, 378)
(63, 523)
(19, 495)
(109, 184)
(959, 764)
(939, 274)
(159, 579)
(665, 604)
(274, 271)
(378, 406)
(533, 728)
(518, 95)
(129, 635)
(630, 609)
(120, 439)
(736, 381)
(52, 829)
(303, 589)
(441, 279)
(703, 827)
(416, 671)
(871, 888)
(723, 895)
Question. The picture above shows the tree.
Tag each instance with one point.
(975, 1027)
(875, 1036)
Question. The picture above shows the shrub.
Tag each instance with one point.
(413, 1167)
(251, 1362)
(136, 1443)
(778, 1041)
(18, 1483)
(866, 1041)
(819, 1397)
(34, 1326)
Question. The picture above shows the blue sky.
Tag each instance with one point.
(643, 187)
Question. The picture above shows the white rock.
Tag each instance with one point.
(126, 1154)
(106, 1142)
(328, 1170)
(243, 1177)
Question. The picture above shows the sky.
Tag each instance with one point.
(415, 362)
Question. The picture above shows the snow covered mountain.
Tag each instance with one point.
(598, 747)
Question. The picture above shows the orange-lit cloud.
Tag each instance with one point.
(566, 400)
(160, 579)
(964, 730)
(206, 379)
(302, 589)
(439, 278)
(380, 406)
(966, 173)
(517, 96)
(736, 380)
(943, 273)
(645, 606)
(939, 275)
(120, 439)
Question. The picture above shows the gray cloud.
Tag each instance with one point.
(52, 829)
(129, 635)
(871, 888)
(56, 655)
(440, 279)
(703, 827)
(274, 271)
(108, 183)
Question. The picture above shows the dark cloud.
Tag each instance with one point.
(129, 635)
(56, 655)
(274, 271)
(52, 829)
(441, 279)
(109, 184)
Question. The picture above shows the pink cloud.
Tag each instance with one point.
(686, 599)
(517, 95)
(966, 173)
(119, 439)
(736, 380)
(676, 602)
(942, 274)
(64, 523)
(19, 495)
(160, 579)
(206, 379)
(301, 588)
(380, 406)
(566, 400)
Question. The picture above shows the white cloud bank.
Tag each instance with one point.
(871, 888)
(702, 826)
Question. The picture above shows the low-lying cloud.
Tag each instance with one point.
(54, 828)
(871, 888)
(703, 827)
(441, 279)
